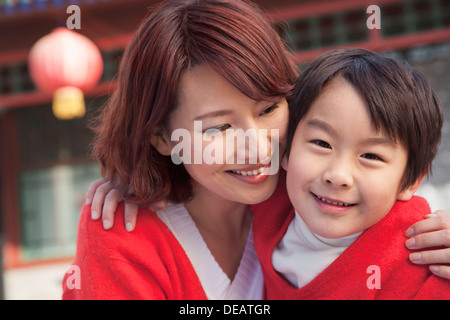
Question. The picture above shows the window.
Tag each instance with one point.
(50, 203)
(54, 172)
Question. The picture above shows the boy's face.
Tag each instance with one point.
(343, 176)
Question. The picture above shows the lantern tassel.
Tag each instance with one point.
(68, 103)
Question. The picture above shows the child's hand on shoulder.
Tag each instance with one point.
(104, 199)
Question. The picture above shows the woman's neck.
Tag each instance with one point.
(224, 226)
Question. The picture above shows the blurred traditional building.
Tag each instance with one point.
(45, 167)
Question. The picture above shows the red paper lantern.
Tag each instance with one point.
(65, 64)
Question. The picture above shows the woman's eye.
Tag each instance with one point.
(371, 156)
(322, 144)
(269, 109)
(215, 129)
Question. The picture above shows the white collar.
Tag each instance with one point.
(301, 254)
(248, 282)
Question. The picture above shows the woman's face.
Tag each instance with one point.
(228, 143)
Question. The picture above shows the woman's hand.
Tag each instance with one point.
(433, 231)
(104, 199)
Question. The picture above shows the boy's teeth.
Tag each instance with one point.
(249, 173)
(334, 203)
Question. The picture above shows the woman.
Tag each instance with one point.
(183, 69)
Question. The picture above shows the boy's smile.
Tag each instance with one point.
(323, 201)
(343, 175)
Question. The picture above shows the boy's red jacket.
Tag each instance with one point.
(351, 276)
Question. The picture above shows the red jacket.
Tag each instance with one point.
(382, 245)
(148, 263)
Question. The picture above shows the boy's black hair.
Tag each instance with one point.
(400, 101)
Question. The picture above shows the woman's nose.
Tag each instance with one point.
(253, 145)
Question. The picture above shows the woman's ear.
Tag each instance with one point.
(407, 193)
(160, 142)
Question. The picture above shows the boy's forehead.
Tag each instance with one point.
(338, 97)
(340, 106)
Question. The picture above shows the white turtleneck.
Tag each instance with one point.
(301, 254)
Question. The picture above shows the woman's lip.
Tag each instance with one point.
(251, 178)
(251, 168)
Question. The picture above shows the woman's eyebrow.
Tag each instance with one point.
(213, 114)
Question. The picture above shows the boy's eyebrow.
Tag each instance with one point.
(379, 141)
(213, 114)
(316, 123)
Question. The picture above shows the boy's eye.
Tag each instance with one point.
(269, 109)
(218, 128)
(371, 156)
(321, 144)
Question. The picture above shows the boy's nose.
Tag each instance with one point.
(338, 175)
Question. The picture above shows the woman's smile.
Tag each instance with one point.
(252, 175)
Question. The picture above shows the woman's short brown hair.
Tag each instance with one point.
(231, 36)
(400, 101)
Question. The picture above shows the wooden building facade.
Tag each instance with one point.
(45, 167)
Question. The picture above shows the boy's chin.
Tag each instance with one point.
(335, 231)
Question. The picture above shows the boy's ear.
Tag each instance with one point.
(160, 142)
(284, 162)
(407, 194)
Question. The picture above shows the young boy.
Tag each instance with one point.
(353, 194)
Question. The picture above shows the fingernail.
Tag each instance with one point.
(107, 224)
(411, 243)
(129, 227)
(434, 269)
(415, 257)
(94, 215)
(88, 200)
(409, 232)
